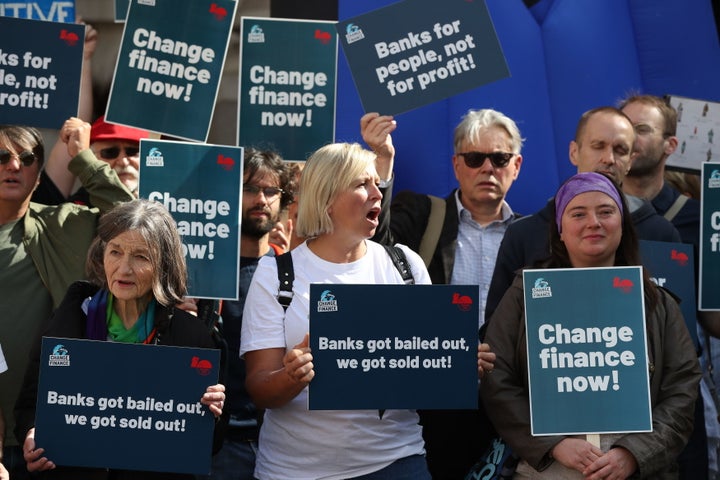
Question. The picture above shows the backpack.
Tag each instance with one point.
(286, 273)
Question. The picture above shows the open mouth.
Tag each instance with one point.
(373, 214)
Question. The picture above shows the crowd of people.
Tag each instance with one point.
(93, 261)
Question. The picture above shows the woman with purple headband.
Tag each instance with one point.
(593, 229)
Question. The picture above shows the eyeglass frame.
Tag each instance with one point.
(497, 159)
(253, 190)
(6, 155)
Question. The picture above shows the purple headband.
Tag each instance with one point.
(581, 183)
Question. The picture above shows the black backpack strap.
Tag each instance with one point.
(401, 263)
(286, 277)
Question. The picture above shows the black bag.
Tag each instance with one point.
(498, 462)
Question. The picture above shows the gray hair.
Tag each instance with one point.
(474, 121)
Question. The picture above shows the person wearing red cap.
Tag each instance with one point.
(117, 145)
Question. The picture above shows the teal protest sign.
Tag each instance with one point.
(48, 10)
(121, 9)
(417, 348)
(672, 266)
(587, 351)
(416, 52)
(287, 85)
(168, 69)
(105, 394)
(199, 184)
(40, 75)
(710, 237)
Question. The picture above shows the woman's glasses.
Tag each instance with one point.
(27, 157)
(476, 159)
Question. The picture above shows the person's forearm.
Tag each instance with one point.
(273, 389)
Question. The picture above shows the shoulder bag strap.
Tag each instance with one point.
(430, 237)
(675, 207)
(286, 277)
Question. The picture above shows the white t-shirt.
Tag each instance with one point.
(301, 444)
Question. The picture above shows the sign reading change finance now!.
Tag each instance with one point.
(168, 70)
(587, 351)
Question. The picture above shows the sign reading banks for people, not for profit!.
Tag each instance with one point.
(587, 351)
(287, 85)
(199, 184)
(47, 10)
(168, 69)
(95, 396)
(40, 66)
(417, 52)
(416, 347)
(710, 237)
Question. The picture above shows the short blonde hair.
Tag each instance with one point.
(328, 171)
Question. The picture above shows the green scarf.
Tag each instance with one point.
(135, 334)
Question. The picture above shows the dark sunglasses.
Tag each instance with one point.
(269, 192)
(111, 153)
(476, 159)
(27, 157)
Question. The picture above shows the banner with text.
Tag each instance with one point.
(40, 67)
(199, 184)
(168, 70)
(101, 395)
(710, 237)
(48, 10)
(417, 348)
(416, 52)
(287, 85)
(672, 265)
(587, 351)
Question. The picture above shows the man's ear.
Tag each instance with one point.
(573, 152)
(671, 144)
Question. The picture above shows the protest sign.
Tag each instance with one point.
(416, 52)
(697, 122)
(710, 237)
(111, 396)
(48, 10)
(413, 346)
(587, 351)
(199, 184)
(287, 85)
(168, 70)
(672, 266)
(121, 9)
(39, 75)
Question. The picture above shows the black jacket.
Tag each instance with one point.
(174, 327)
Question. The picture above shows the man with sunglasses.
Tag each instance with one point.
(117, 145)
(42, 248)
(486, 162)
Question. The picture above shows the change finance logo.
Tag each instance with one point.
(60, 357)
(541, 289)
(256, 35)
(625, 285)
(353, 33)
(714, 180)
(327, 302)
(154, 158)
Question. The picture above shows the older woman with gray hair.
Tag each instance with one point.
(136, 274)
